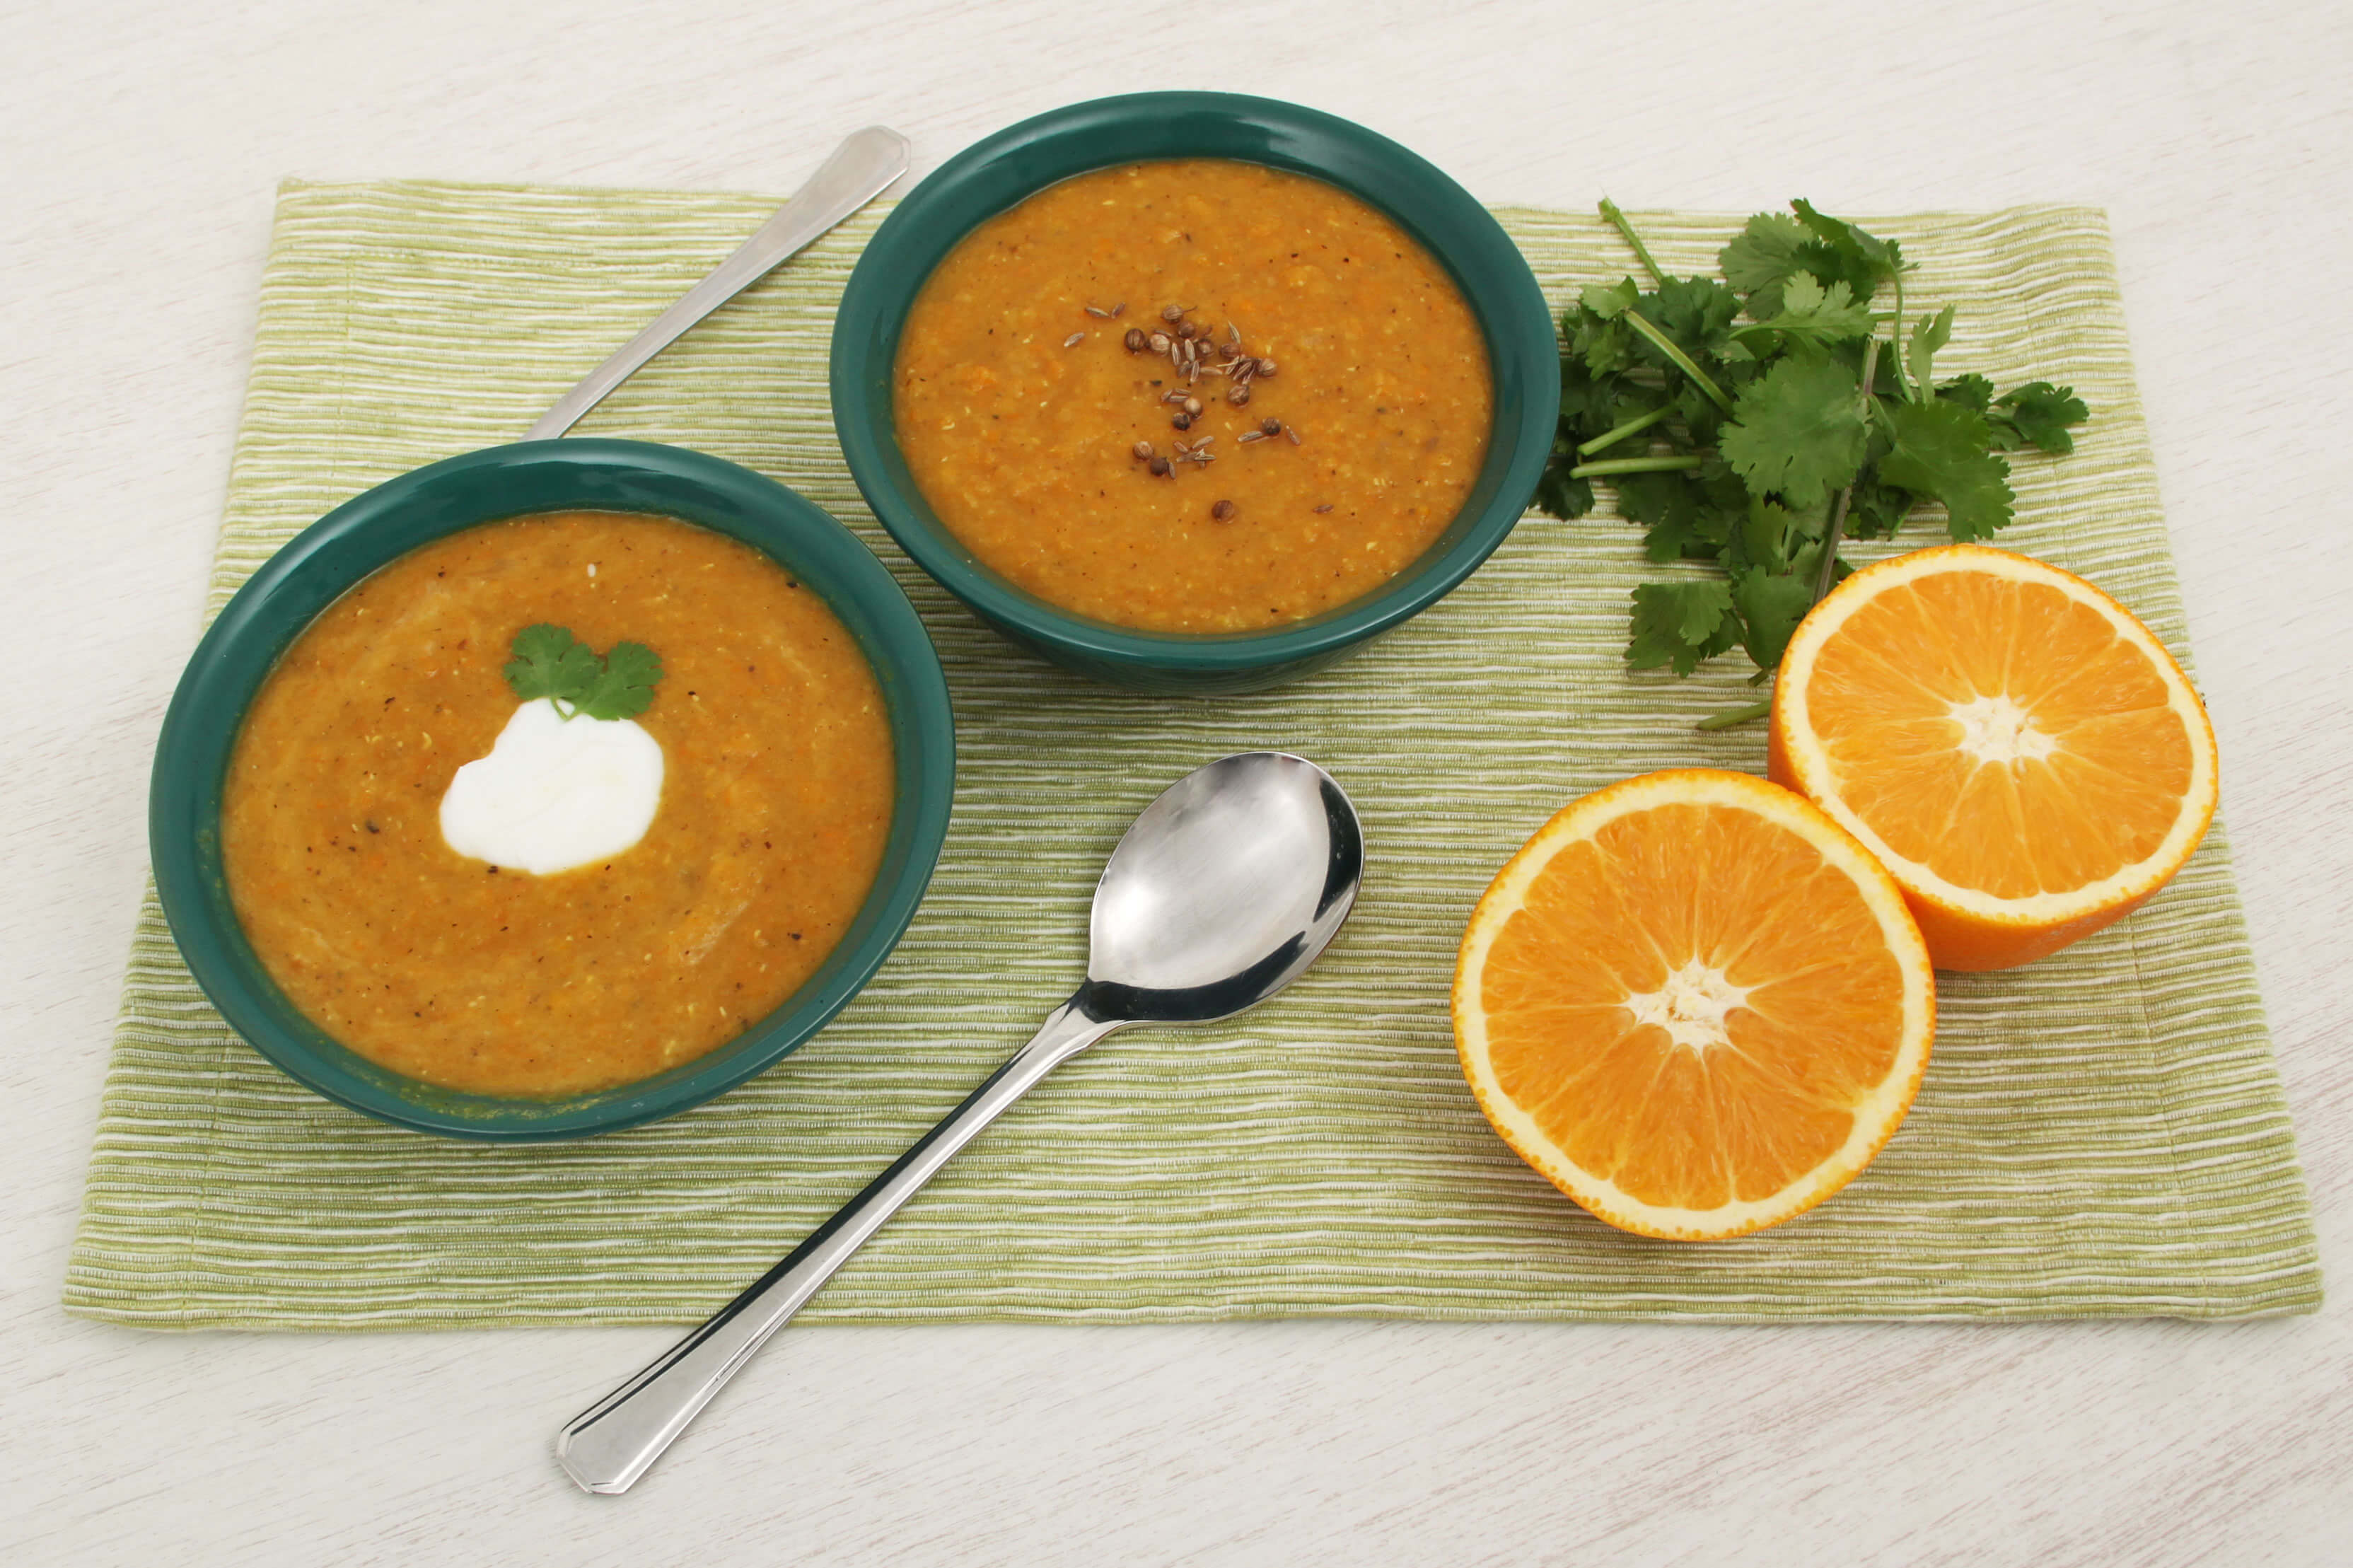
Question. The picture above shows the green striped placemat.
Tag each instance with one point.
(2102, 1133)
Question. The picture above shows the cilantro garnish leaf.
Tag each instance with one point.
(550, 662)
(626, 685)
(1798, 431)
(1940, 450)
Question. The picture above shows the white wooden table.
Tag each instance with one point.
(139, 145)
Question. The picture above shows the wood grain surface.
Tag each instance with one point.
(139, 146)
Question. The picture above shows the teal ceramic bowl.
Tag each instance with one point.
(367, 532)
(997, 174)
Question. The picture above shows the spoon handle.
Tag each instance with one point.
(861, 169)
(615, 1441)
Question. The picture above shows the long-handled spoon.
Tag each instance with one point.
(861, 169)
(1223, 891)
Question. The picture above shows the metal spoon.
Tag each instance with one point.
(1223, 891)
(861, 169)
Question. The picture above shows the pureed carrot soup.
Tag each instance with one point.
(763, 831)
(1193, 396)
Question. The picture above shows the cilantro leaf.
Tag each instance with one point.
(1763, 258)
(1562, 496)
(550, 662)
(1676, 513)
(1608, 303)
(1798, 431)
(1771, 605)
(1811, 314)
(1876, 509)
(1974, 391)
(1766, 532)
(2036, 414)
(1697, 312)
(626, 685)
(1864, 260)
(1680, 624)
(1941, 451)
(1929, 334)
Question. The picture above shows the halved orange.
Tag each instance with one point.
(2021, 754)
(1695, 1003)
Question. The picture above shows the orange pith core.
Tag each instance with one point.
(1691, 1004)
(2041, 755)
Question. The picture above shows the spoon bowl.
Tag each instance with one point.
(1224, 889)
(1222, 892)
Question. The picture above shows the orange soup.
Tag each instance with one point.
(775, 796)
(1193, 396)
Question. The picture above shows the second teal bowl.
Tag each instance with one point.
(372, 529)
(998, 173)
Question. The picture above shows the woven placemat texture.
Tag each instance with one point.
(2102, 1133)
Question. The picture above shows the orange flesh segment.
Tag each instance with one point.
(1611, 918)
(1882, 699)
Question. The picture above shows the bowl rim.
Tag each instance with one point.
(314, 569)
(1461, 234)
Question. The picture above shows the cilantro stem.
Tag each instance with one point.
(1686, 465)
(1635, 425)
(1642, 252)
(1666, 345)
(1731, 716)
(1903, 382)
(1827, 572)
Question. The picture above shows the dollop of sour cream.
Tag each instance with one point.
(554, 793)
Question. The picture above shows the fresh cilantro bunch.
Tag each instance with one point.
(550, 662)
(1759, 420)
